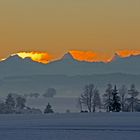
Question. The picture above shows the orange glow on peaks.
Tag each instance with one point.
(89, 56)
(126, 53)
(41, 57)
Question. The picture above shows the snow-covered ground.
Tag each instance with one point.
(59, 104)
(71, 126)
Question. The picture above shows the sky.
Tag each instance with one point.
(58, 26)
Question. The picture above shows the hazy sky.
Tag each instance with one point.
(56, 26)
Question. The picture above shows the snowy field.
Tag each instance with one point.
(59, 104)
(94, 126)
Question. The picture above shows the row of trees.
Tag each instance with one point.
(113, 100)
(17, 104)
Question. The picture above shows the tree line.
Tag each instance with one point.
(113, 100)
(16, 104)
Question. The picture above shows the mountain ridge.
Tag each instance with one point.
(67, 65)
(69, 56)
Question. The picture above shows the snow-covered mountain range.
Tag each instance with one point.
(67, 65)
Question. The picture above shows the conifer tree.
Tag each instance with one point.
(116, 105)
(48, 109)
(107, 98)
(10, 104)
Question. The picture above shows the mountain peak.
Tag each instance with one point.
(115, 57)
(13, 58)
(17, 59)
(68, 57)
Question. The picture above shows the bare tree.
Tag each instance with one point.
(96, 100)
(133, 100)
(123, 91)
(88, 97)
